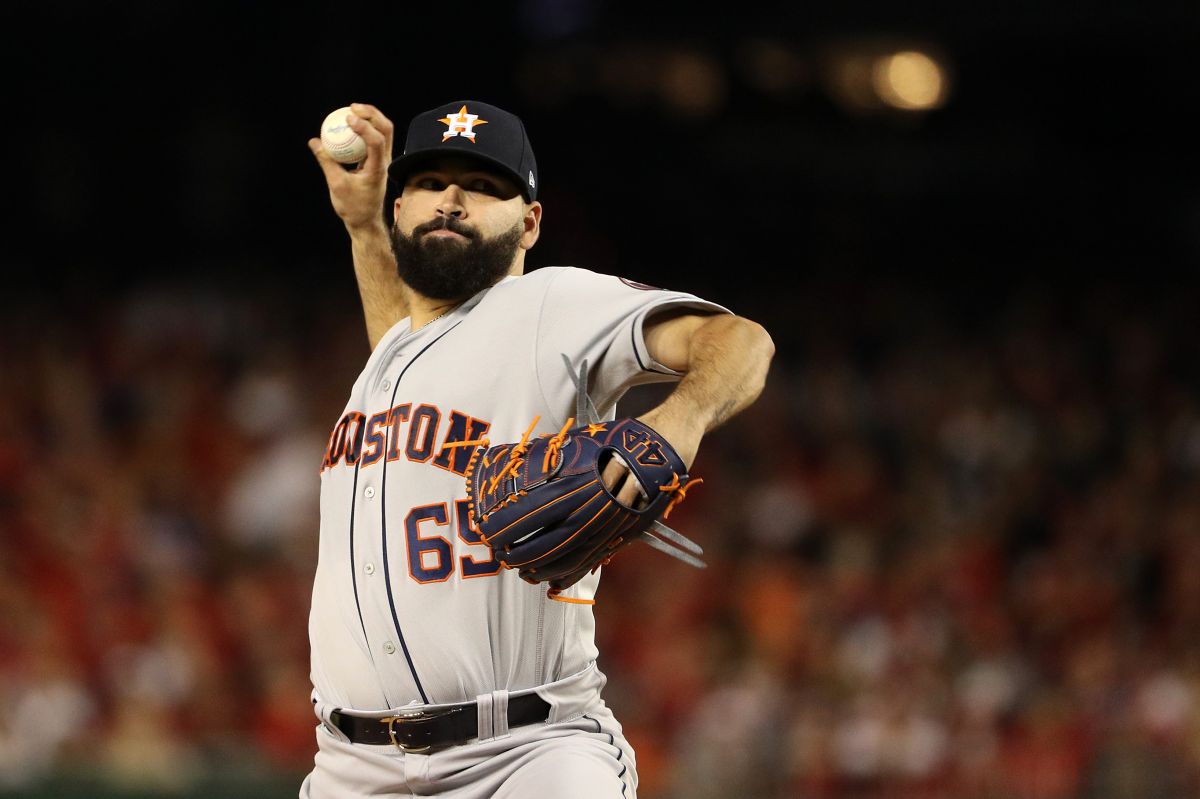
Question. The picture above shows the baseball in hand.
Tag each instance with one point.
(339, 139)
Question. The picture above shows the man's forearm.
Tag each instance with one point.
(727, 363)
(727, 369)
(382, 292)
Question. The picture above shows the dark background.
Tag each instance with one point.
(169, 139)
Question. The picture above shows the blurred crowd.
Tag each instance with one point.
(954, 549)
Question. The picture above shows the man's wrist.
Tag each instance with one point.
(681, 431)
(367, 228)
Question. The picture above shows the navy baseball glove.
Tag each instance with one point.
(543, 508)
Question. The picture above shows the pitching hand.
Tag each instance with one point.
(358, 194)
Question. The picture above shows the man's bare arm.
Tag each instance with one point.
(357, 197)
(725, 360)
(382, 293)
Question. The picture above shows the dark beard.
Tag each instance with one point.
(448, 269)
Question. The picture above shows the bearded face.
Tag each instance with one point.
(452, 268)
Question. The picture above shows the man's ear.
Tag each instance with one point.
(532, 225)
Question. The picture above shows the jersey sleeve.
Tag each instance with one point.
(599, 317)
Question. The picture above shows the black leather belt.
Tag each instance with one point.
(426, 731)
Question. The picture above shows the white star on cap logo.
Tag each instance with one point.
(461, 124)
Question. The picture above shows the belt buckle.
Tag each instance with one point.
(416, 715)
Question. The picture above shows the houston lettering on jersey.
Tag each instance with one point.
(415, 432)
(420, 432)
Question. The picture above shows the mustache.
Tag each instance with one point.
(445, 223)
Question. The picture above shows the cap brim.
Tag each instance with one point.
(405, 165)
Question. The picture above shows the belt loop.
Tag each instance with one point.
(499, 702)
(324, 711)
(487, 715)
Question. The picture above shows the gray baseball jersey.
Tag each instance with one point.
(409, 606)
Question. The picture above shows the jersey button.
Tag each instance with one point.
(370, 492)
(389, 647)
(385, 385)
(369, 568)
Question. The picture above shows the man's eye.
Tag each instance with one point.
(482, 185)
(431, 184)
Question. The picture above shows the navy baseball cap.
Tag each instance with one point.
(469, 128)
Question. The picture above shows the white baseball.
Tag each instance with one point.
(339, 139)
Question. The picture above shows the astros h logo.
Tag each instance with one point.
(461, 124)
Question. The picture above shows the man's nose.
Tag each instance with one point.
(451, 202)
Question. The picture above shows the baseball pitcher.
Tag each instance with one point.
(478, 478)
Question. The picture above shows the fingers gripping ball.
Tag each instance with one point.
(542, 505)
(339, 139)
